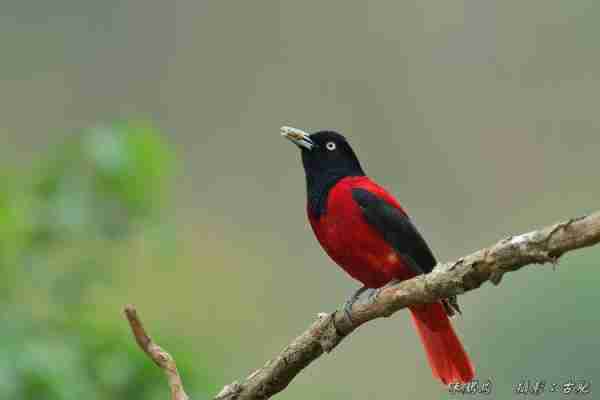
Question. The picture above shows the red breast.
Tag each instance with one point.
(352, 243)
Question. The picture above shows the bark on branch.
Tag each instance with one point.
(160, 357)
(447, 279)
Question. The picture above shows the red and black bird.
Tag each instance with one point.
(366, 232)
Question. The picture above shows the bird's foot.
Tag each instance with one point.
(353, 299)
(364, 296)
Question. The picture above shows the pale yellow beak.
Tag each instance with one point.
(298, 137)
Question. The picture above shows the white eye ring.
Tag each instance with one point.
(330, 146)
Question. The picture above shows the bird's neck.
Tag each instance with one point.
(318, 185)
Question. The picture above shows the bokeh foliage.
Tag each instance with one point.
(62, 226)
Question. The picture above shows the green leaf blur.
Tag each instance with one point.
(63, 228)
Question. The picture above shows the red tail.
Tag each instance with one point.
(447, 357)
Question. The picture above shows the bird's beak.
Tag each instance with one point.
(298, 137)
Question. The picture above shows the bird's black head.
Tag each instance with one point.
(324, 153)
(327, 157)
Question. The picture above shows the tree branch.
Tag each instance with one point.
(156, 353)
(447, 279)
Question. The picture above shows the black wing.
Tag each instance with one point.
(397, 229)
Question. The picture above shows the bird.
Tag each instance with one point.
(366, 231)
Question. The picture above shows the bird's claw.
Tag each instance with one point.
(350, 302)
(364, 296)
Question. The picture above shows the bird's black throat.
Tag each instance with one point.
(329, 160)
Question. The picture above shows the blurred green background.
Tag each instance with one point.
(141, 163)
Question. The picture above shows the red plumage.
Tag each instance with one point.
(364, 254)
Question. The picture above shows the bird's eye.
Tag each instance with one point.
(330, 146)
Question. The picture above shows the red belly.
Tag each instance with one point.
(352, 243)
